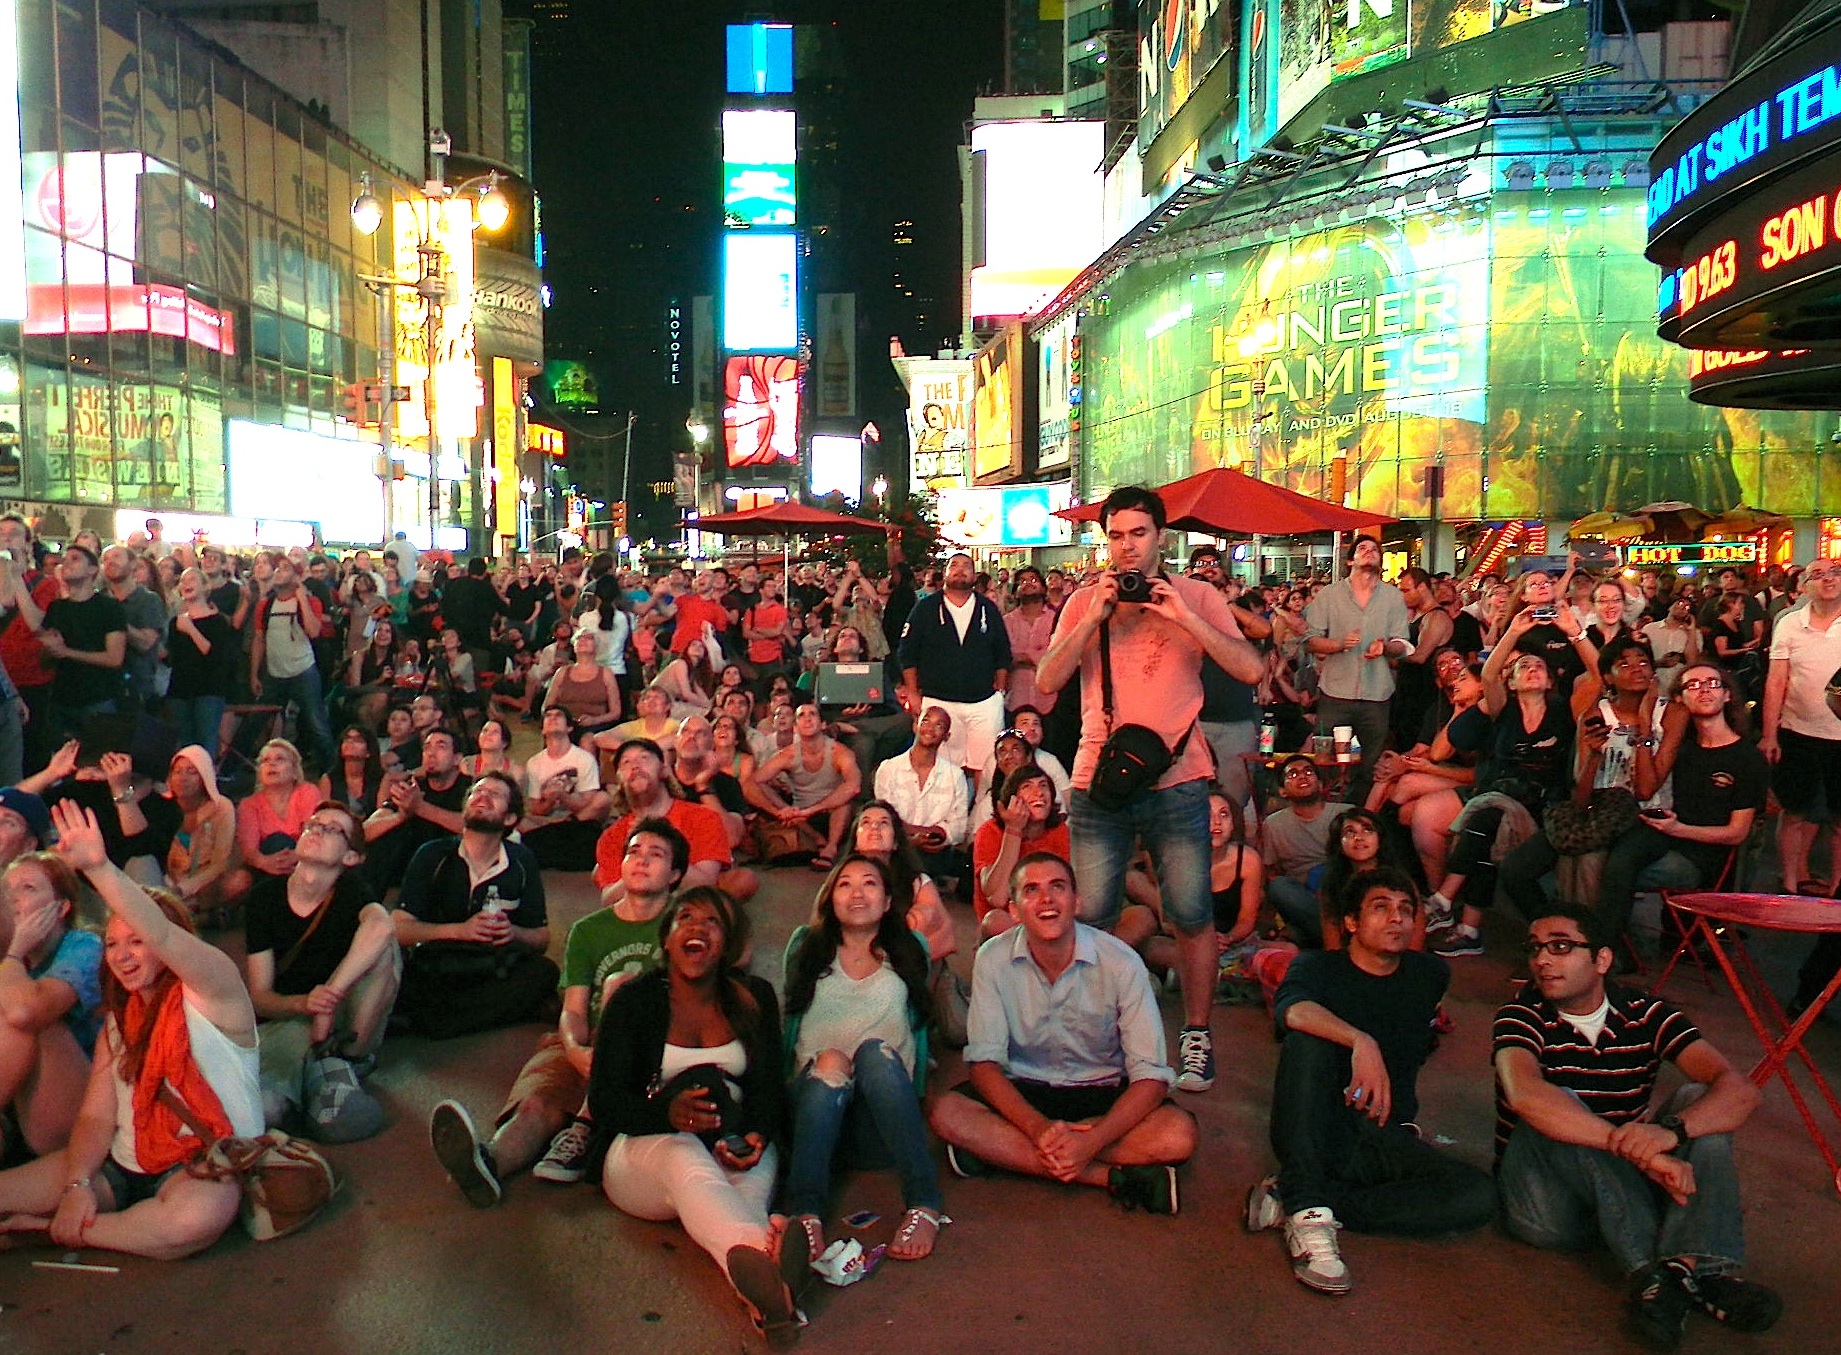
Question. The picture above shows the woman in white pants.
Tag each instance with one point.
(688, 1096)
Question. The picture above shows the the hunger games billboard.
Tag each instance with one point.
(1511, 341)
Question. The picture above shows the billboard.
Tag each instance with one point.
(760, 410)
(1014, 515)
(572, 386)
(939, 420)
(760, 291)
(760, 58)
(836, 355)
(344, 494)
(759, 148)
(1044, 210)
(1057, 393)
(1179, 42)
(997, 408)
(1510, 342)
(836, 466)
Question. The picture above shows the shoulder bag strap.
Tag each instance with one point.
(319, 915)
(171, 1099)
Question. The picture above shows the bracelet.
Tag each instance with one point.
(123, 797)
(82, 1181)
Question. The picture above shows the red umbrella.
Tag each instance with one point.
(1223, 502)
(785, 518)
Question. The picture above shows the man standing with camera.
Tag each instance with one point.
(1138, 637)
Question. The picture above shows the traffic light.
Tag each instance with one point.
(351, 404)
(617, 516)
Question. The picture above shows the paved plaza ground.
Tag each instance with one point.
(401, 1264)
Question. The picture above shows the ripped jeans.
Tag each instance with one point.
(873, 1119)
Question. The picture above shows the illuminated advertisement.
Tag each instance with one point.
(835, 355)
(572, 386)
(997, 408)
(760, 58)
(12, 201)
(939, 420)
(97, 442)
(760, 410)
(836, 466)
(506, 496)
(1057, 393)
(1044, 210)
(1014, 515)
(759, 147)
(1179, 42)
(343, 494)
(1510, 343)
(456, 379)
(760, 291)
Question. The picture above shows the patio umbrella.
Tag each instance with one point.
(1672, 520)
(1611, 527)
(1743, 521)
(787, 518)
(1223, 502)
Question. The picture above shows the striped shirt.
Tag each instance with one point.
(1616, 1076)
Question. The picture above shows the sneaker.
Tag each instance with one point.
(567, 1161)
(1459, 940)
(965, 1164)
(1739, 1304)
(1195, 1059)
(1263, 1207)
(1659, 1304)
(1310, 1237)
(1440, 913)
(457, 1147)
(1152, 1189)
(337, 1109)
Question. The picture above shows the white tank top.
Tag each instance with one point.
(229, 1068)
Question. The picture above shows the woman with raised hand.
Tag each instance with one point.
(688, 1098)
(857, 1008)
(179, 1032)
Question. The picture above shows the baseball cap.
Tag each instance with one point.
(30, 808)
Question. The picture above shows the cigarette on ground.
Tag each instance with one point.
(77, 1265)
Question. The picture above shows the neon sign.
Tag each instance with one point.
(1705, 553)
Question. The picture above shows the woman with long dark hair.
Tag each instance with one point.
(857, 1007)
(688, 1098)
(356, 780)
(178, 1026)
(1356, 843)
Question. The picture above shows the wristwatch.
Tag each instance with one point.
(1673, 1123)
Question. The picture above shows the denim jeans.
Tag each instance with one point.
(874, 1118)
(1566, 1196)
(196, 719)
(1298, 908)
(1524, 872)
(1641, 856)
(303, 690)
(1173, 825)
(1376, 1179)
(12, 741)
(1369, 720)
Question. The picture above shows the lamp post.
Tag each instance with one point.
(487, 207)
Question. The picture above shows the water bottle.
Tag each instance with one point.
(1268, 734)
(493, 903)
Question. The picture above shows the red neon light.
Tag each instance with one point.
(99, 308)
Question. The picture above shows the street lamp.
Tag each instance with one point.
(484, 204)
(880, 488)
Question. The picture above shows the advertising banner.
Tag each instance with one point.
(141, 444)
(1511, 343)
(1179, 42)
(836, 358)
(1057, 393)
(760, 410)
(344, 494)
(759, 150)
(836, 466)
(760, 291)
(508, 310)
(1044, 210)
(1012, 515)
(997, 408)
(506, 495)
(939, 420)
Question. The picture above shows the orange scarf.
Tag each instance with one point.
(161, 1140)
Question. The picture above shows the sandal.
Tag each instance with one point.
(757, 1278)
(813, 1230)
(822, 863)
(910, 1232)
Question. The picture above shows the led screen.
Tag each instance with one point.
(1512, 342)
(1179, 42)
(1014, 515)
(760, 58)
(997, 415)
(343, 493)
(760, 291)
(760, 410)
(837, 466)
(1044, 210)
(12, 205)
(759, 147)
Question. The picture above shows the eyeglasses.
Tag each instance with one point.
(326, 826)
(1300, 769)
(1703, 685)
(1817, 575)
(1558, 946)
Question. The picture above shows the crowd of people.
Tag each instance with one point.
(1311, 792)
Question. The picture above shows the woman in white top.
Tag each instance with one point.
(611, 625)
(178, 1016)
(857, 1007)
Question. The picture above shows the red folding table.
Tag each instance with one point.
(1710, 918)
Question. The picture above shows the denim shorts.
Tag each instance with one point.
(132, 1188)
(1173, 825)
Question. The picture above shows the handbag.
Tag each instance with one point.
(285, 1182)
(1575, 829)
(1133, 756)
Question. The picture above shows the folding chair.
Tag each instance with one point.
(1685, 922)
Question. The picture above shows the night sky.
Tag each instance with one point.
(628, 100)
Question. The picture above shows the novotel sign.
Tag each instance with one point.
(1703, 553)
(1768, 120)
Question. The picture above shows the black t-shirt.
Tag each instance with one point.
(438, 887)
(419, 616)
(1518, 760)
(269, 924)
(86, 626)
(1562, 655)
(468, 606)
(1466, 634)
(728, 793)
(1225, 700)
(520, 598)
(419, 830)
(1396, 1010)
(227, 597)
(1712, 784)
(163, 819)
(196, 673)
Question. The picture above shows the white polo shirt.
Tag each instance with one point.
(1814, 657)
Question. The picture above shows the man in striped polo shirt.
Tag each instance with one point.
(1579, 1155)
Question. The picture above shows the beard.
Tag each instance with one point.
(483, 823)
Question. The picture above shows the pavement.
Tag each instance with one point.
(400, 1263)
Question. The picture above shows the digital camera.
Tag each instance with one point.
(1134, 586)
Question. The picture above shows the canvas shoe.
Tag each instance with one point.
(458, 1149)
(567, 1161)
(1195, 1059)
(1310, 1237)
(337, 1109)
(1152, 1189)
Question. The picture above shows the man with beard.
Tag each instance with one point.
(473, 921)
(1031, 624)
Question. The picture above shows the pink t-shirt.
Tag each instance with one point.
(1156, 678)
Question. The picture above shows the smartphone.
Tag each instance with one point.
(1652, 813)
(1546, 614)
(737, 1144)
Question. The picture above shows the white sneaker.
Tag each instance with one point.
(1310, 1237)
(1263, 1207)
(567, 1161)
(1440, 912)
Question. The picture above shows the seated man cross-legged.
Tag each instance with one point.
(1357, 1026)
(1579, 1155)
(1066, 1054)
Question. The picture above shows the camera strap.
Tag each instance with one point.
(1105, 686)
